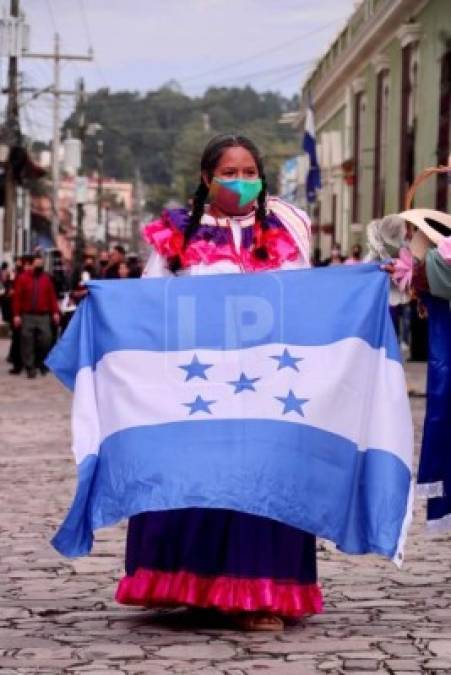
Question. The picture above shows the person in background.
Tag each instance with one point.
(134, 266)
(102, 264)
(315, 259)
(123, 271)
(23, 265)
(335, 256)
(5, 284)
(386, 237)
(117, 256)
(89, 269)
(4, 273)
(87, 273)
(425, 267)
(4, 270)
(35, 306)
(356, 255)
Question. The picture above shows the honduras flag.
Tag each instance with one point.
(276, 394)
(313, 182)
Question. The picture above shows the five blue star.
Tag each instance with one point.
(244, 383)
(199, 405)
(196, 369)
(291, 403)
(286, 360)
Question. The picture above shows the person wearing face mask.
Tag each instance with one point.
(255, 570)
(35, 305)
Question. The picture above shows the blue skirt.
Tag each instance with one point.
(220, 559)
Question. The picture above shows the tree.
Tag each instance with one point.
(163, 133)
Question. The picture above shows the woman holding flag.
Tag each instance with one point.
(426, 268)
(257, 571)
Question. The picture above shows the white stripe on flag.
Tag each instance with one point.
(310, 123)
(352, 390)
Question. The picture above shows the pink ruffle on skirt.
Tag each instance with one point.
(151, 588)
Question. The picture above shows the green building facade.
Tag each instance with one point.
(381, 97)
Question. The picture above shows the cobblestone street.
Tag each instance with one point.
(59, 615)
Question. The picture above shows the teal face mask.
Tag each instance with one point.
(232, 196)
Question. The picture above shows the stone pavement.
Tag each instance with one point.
(59, 616)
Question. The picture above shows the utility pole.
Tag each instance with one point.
(57, 57)
(56, 139)
(13, 136)
(137, 210)
(107, 226)
(81, 190)
(99, 158)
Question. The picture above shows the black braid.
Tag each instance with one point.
(260, 214)
(260, 217)
(174, 264)
(199, 199)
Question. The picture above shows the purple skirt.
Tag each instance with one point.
(221, 559)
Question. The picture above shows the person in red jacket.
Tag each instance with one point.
(35, 305)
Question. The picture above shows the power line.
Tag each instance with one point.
(291, 67)
(271, 71)
(263, 52)
(85, 21)
(283, 78)
(57, 57)
(96, 107)
(72, 64)
(52, 15)
(84, 15)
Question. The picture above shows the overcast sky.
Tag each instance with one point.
(141, 44)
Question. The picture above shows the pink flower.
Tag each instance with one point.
(167, 241)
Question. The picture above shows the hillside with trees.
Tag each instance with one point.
(162, 133)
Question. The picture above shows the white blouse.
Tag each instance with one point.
(156, 265)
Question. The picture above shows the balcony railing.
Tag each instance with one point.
(352, 30)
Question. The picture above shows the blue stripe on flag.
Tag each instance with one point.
(313, 178)
(232, 311)
(309, 146)
(356, 499)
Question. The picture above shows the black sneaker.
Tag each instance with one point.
(15, 371)
(43, 370)
(31, 373)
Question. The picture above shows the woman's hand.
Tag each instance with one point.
(389, 267)
(401, 269)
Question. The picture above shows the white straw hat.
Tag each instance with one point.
(433, 226)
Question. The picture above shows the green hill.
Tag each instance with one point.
(163, 133)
